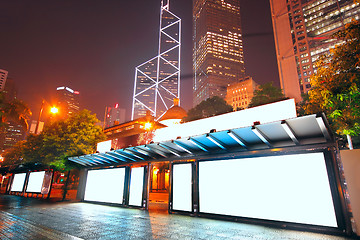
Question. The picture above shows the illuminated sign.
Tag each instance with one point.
(182, 191)
(105, 185)
(136, 186)
(35, 182)
(290, 188)
(104, 146)
(264, 114)
(18, 182)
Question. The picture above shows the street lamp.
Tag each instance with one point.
(53, 110)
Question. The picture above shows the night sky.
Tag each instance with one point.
(93, 46)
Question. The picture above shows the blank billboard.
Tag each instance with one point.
(136, 186)
(35, 183)
(105, 185)
(182, 187)
(18, 182)
(290, 188)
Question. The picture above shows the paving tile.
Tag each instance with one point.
(38, 219)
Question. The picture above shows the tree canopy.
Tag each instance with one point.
(210, 107)
(76, 135)
(13, 110)
(336, 83)
(266, 93)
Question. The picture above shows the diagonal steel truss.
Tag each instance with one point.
(157, 81)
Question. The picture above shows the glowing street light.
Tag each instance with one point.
(147, 126)
(54, 110)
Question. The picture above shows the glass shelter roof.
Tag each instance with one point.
(300, 131)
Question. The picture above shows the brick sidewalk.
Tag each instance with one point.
(38, 220)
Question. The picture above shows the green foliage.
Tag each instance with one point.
(336, 83)
(266, 93)
(210, 107)
(76, 135)
(14, 155)
(14, 110)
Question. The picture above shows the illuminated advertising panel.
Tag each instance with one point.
(136, 186)
(103, 147)
(105, 185)
(264, 114)
(181, 187)
(18, 182)
(290, 188)
(35, 183)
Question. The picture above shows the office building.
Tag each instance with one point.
(3, 77)
(114, 116)
(303, 31)
(239, 94)
(67, 100)
(157, 81)
(13, 132)
(218, 58)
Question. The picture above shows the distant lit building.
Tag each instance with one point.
(303, 31)
(3, 77)
(14, 132)
(239, 94)
(218, 58)
(157, 81)
(114, 116)
(67, 100)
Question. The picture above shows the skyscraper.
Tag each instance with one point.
(114, 116)
(218, 58)
(13, 132)
(303, 31)
(67, 100)
(157, 81)
(3, 77)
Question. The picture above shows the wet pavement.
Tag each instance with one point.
(27, 218)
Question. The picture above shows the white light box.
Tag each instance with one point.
(105, 185)
(35, 182)
(181, 187)
(290, 188)
(136, 186)
(18, 182)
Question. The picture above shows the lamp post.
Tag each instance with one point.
(53, 110)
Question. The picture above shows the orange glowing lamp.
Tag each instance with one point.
(148, 126)
(54, 110)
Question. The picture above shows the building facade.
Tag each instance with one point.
(114, 116)
(303, 31)
(218, 58)
(3, 77)
(239, 94)
(67, 100)
(13, 132)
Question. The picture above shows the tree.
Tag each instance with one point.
(63, 138)
(210, 107)
(266, 93)
(336, 83)
(74, 136)
(14, 155)
(15, 110)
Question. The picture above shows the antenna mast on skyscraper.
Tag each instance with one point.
(157, 81)
(166, 5)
